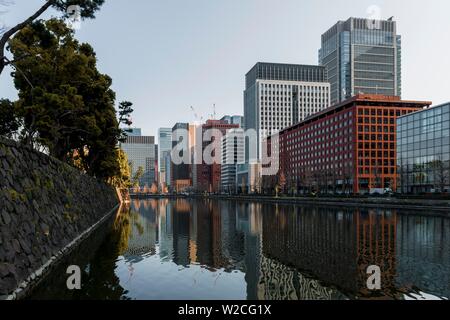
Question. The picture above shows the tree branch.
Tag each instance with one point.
(8, 34)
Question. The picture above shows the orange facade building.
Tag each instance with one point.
(348, 148)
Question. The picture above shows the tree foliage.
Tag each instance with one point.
(9, 121)
(123, 178)
(137, 177)
(66, 104)
(87, 9)
(125, 111)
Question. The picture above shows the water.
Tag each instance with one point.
(204, 249)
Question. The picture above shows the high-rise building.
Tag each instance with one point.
(234, 120)
(208, 174)
(279, 95)
(233, 154)
(362, 56)
(165, 147)
(141, 151)
(168, 173)
(424, 150)
(181, 148)
(348, 148)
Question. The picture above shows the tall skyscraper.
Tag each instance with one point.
(280, 95)
(141, 153)
(233, 154)
(362, 56)
(180, 172)
(165, 147)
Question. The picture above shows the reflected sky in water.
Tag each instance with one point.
(204, 249)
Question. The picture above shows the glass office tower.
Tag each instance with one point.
(362, 56)
(165, 147)
(423, 147)
(141, 152)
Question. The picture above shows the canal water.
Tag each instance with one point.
(205, 249)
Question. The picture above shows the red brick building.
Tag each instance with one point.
(208, 175)
(349, 148)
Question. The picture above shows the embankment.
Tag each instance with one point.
(46, 209)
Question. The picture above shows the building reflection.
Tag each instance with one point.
(293, 252)
(143, 234)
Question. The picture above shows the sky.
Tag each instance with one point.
(168, 55)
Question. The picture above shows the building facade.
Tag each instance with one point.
(239, 120)
(141, 152)
(134, 132)
(280, 95)
(348, 148)
(248, 178)
(362, 56)
(424, 150)
(165, 147)
(209, 174)
(181, 148)
(233, 154)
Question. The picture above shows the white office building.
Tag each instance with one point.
(233, 154)
(278, 96)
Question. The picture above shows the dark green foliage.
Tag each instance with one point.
(9, 122)
(125, 111)
(87, 7)
(69, 106)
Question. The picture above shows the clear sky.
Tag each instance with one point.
(168, 55)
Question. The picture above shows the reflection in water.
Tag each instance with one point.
(181, 249)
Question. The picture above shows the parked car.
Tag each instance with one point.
(381, 191)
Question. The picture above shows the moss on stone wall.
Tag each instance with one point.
(44, 205)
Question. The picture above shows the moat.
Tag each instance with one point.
(218, 249)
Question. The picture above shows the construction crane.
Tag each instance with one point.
(197, 118)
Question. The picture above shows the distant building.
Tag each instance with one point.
(165, 147)
(423, 157)
(348, 148)
(134, 132)
(248, 178)
(157, 165)
(180, 146)
(239, 120)
(362, 56)
(141, 152)
(208, 175)
(233, 154)
(168, 173)
(279, 95)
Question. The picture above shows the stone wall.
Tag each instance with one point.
(44, 206)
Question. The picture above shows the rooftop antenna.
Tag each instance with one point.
(213, 115)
